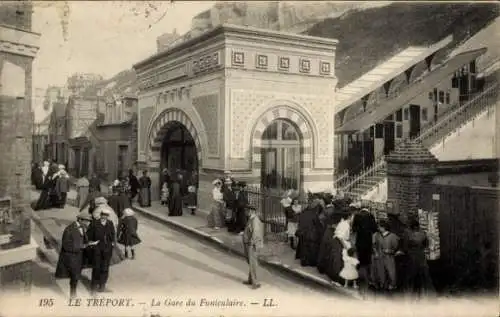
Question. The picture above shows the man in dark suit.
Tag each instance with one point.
(101, 230)
(74, 241)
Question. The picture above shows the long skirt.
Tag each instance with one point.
(336, 263)
(175, 206)
(145, 197)
(215, 218)
(44, 201)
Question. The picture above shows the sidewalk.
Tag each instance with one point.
(277, 255)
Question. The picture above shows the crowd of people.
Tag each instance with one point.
(343, 240)
(230, 200)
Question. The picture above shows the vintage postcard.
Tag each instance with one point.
(249, 158)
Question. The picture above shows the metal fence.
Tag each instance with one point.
(267, 203)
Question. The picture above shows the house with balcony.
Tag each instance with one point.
(404, 98)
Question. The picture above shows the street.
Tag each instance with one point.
(171, 267)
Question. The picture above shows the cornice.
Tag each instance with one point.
(228, 30)
(17, 41)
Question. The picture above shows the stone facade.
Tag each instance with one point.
(408, 167)
(226, 86)
(18, 47)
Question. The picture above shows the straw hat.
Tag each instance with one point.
(101, 201)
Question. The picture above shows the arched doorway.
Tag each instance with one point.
(179, 154)
(281, 156)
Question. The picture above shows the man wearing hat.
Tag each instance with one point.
(253, 242)
(101, 230)
(241, 203)
(230, 200)
(74, 241)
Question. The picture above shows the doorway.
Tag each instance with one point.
(414, 121)
(281, 167)
(179, 155)
(389, 141)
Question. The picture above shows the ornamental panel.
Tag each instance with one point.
(245, 103)
(207, 107)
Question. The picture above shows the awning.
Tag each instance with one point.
(425, 85)
(384, 72)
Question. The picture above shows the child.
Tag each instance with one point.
(127, 232)
(349, 271)
(191, 199)
(164, 194)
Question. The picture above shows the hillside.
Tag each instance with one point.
(369, 37)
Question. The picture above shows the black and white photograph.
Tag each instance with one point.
(249, 158)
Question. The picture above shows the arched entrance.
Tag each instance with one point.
(281, 156)
(175, 145)
(179, 153)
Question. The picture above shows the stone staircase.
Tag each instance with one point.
(358, 185)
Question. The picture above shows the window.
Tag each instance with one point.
(390, 118)
(406, 113)
(399, 131)
(431, 96)
(441, 96)
(372, 132)
(379, 131)
(424, 114)
(399, 115)
(447, 98)
(454, 82)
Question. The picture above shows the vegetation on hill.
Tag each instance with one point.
(369, 37)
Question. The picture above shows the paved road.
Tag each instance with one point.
(170, 264)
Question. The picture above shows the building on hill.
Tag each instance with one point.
(249, 101)
(18, 48)
(77, 83)
(373, 131)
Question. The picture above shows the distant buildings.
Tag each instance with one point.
(41, 140)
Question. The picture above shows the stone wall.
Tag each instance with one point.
(17, 50)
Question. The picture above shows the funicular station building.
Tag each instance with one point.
(255, 103)
(400, 99)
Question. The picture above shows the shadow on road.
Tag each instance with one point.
(198, 265)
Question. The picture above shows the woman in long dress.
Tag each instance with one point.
(215, 219)
(308, 231)
(175, 200)
(341, 241)
(145, 190)
(417, 281)
(45, 200)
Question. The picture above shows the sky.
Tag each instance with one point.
(103, 37)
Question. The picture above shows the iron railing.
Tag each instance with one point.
(432, 133)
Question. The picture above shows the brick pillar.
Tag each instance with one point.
(408, 167)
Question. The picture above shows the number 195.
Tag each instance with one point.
(46, 302)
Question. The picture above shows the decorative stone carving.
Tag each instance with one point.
(245, 103)
(206, 63)
(208, 108)
(238, 59)
(324, 68)
(262, 61)
(283, 63)
(305, 65)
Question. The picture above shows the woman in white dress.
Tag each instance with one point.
(215, 219)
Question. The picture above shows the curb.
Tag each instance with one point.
(277, 265)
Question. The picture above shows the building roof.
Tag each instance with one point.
(426, 84)
(384, 72)
(242, 30)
